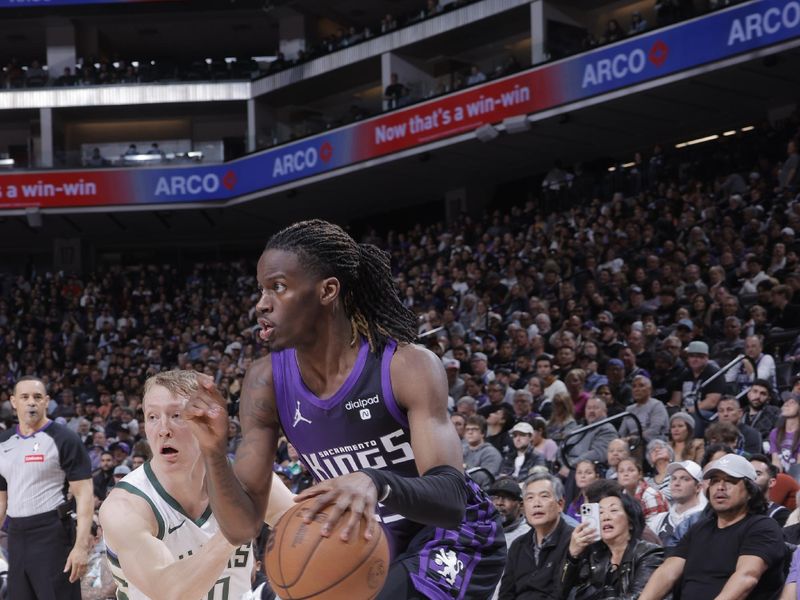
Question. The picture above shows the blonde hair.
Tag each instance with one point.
(178, 382)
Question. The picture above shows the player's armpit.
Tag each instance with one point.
(131, 530)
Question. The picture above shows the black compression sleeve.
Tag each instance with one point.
(438, 498)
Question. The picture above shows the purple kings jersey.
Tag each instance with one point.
(360, 426)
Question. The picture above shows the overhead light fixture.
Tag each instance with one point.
(702, 140)
(748, 128)
(628, 165)
(681, 145)
(729, 133)
(486, 133)
(612, 169)
(518, 124)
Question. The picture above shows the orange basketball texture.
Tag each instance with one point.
(302, 564)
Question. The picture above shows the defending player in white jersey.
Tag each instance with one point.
(162, 540)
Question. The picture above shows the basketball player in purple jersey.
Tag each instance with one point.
(367, 412)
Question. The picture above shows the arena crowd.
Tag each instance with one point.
(618, 292)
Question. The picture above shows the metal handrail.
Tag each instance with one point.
(565, 447)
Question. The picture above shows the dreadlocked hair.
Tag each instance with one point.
(368, 295)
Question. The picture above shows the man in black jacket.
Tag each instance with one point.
(532, 568)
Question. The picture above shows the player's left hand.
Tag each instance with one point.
(77, 563)
(354, 492)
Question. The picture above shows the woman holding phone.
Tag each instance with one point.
(618, 563)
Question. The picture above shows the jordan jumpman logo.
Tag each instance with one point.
(298, 417)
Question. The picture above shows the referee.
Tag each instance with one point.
(39, 460)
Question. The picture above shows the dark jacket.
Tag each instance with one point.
(587, 574)
(532, 459)
(523, 578)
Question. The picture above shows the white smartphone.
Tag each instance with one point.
(590, 513)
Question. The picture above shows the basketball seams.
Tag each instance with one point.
(367, 556)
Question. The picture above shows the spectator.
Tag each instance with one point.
(66, 79)
(478, 453)
(506, 494)
(499, 421)
(519, 462)
(466, 406)
(596, 568)
(35, 76)
(455, 382)
(593, 444)
(523, 405)
(630, 477)
(784, 440)
(585, 475)
(395, 92)
(660, 455)
(698, 372)
(613, 32)
(562, 421)
(617, 450)
(650, 412)
(96, 159)
(761, 367)
(766, 474)
(786, 314)
(734, 550)
(638, 24)
(687, 500)
(788, 175)
(620, 390)
(681, 433)
(541, 443)
(730, 411)
(459, 422)
(533, 565)
(475, 76)
(479, 364)
(103, 478)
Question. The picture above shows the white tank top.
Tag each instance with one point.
(183, 537)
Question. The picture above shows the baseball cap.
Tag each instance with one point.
(478, 356)
(787, 231)
(733, 465)
(691, 467)
(522, 427)
(506, 485)
(121, 470)
(451, 363)
(697, 347)
(686, 323)
(616, 362)
(635, 289)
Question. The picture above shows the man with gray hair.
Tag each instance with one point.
(593, 444)
(651, 413)
(534, 560)
(467, 406)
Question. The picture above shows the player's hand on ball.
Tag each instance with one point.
(353, 492)
(206, 411)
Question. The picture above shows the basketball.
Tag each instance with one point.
(303, 564)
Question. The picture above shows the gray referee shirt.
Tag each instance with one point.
(35, 469)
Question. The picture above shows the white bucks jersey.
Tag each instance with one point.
(183, 537)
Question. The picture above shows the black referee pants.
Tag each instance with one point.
(38, 548)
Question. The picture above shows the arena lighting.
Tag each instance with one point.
(209, 61)
(135, 64)
(728, 133)
(702, 140)
(628, 165)
(6, 162)
(486, 133)
(748, 128)
(518, 124)
(612, 169)
(34, 216)
(230, 59)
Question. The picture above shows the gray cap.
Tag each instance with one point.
(697, 347)
(121, 470)
(733, 465)
(683, 416)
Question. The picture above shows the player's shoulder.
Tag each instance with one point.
(414, 356)
(124, 501)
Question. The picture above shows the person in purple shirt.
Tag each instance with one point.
(366, 410)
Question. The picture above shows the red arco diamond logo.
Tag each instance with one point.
(658, 53)
(229, 180)
(326, 151)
